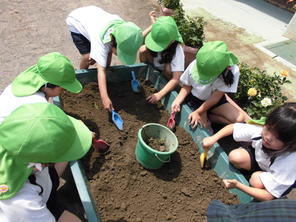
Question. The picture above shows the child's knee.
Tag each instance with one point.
(255, 180)
(236, 158)
(242, 118)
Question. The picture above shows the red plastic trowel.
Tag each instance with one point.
(100, 145)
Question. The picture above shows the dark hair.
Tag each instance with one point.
(48, 85)
(113, 42)
(166, 56)
(32, 179)
(227, 76)
(282, 121)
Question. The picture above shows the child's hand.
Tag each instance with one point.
(207, 143)
(107, 104)
(175, 107)
(154, 98)
(230, 183)
(195, 119)
(152, 16)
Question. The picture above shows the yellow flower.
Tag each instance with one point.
(284, 73)
(252, 92)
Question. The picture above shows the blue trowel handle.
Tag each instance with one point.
(133, 75)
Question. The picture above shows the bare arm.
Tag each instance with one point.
(257, 193)
(208, 142)
(171, 84)
(152, 16)
(185, 90)
(174, 81)
(102, 82)
(210, 102)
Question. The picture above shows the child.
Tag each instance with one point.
(163, 48)
(30, 135)
(52, 73)
(271, 156)
(207, 79)
(97, 34)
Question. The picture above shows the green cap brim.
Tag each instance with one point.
(81, 144)
(154, 46)
(74, 87)
(28, 82)
(260, 121)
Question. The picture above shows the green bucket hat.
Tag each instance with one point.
(260, 121)
(163, 32)
(211, 60)
(51, 68)
(37, 133)
(129, 38)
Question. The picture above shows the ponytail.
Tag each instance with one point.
(228, 76)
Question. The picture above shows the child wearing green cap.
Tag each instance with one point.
(163, 48)
(33, 135)
(205, 82)
(97, 34)
(52, 73)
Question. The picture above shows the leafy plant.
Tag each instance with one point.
(171, 4)
(258, 93)
(191, 28)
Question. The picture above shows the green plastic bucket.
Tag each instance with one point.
(147, 156)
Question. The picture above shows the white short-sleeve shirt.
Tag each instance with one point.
(177, 63)
(203, 92)
(91, 21)
(278, 176)
(9, 102)
(27, 205)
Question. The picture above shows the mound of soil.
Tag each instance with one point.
(123, 190)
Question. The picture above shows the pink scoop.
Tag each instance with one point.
(171, 122)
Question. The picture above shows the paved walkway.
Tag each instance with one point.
(247, 26)
(256, 16)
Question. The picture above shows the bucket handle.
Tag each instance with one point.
(164, 161)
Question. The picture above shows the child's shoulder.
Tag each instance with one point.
(246, 130)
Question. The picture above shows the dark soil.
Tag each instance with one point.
(123, 190)
(284, 4)
(157, 144)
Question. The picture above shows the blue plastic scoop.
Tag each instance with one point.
(136, 87)
(117, 120)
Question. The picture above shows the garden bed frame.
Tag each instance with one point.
(217, 157)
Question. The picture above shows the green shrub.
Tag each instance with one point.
(171, 4)
(191, 28)
(258, 93)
